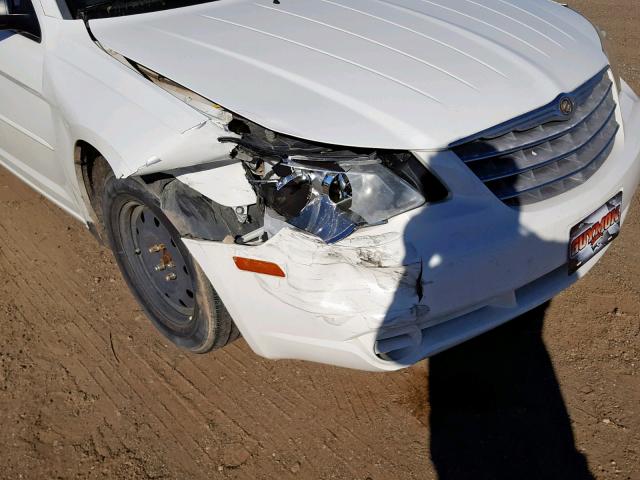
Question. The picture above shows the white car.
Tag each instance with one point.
(362, 183)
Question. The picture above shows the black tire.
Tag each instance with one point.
(178, 298)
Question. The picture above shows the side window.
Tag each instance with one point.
(21, 18)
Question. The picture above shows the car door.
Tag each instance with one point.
(27, 132)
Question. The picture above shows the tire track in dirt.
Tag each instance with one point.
(280, 405)
(80, 330)
(107, 387)
(69, 409)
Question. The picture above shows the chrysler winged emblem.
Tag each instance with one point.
(566, 106)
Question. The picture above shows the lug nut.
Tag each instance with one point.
(156, 248)
(170, 276)
(163, 266)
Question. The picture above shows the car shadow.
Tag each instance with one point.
(496, 408)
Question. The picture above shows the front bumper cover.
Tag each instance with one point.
(428, 279)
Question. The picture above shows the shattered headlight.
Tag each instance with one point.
(331, 199)
(326, 190)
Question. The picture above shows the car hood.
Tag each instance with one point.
(401, 74)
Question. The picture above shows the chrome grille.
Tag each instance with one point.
(545, 152)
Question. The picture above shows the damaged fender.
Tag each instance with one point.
(226, 185)
(151, 130)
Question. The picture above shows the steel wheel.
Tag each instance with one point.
(157, 261)
(171, 287)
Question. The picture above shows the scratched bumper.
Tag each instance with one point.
(424, 282)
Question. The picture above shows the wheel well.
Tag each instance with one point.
(91, 169)
(190, 212)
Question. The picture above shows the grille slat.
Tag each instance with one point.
(562, 172)
(532, 158)
(522, 166)
(537, 135)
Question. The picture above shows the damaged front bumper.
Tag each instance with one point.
(390, 295)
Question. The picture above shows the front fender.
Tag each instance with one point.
(137, 126)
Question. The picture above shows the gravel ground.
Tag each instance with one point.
(89, 390)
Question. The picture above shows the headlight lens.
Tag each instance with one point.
(331, 199)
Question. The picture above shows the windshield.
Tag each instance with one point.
(86, 9)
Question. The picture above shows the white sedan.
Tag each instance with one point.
(354, 182)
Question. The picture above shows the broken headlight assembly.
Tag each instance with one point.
(332, 200)
(327, 191)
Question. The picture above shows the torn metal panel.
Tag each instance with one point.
(138, 128)
(226, 185)
(212, 110)
(196, 216)
(196, 146)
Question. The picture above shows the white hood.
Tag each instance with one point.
(397, 74)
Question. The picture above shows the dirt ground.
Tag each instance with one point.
(89, 390)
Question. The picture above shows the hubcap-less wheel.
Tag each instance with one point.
(157, 263)
(171, 287)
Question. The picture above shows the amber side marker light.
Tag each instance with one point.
(258, 266)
